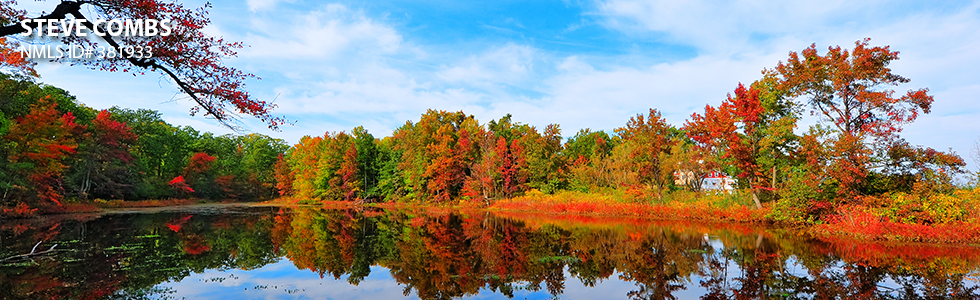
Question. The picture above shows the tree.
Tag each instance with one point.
(304, 163)
(932, 169)
(160, 153)
(545, 166)
(513, 157)
(347, 175)
(749, 133)
(200, 175)
(180, 186)
(391, 182)
(649, 142)
(104, 165)
(367, 160)
(851, 90)
(437, 153)
(245, 163)
(689, 163)
(42, 141)
(284, 176)
(186, 55)
(586, 154)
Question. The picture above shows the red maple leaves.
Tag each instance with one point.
(193, 60)
(42, 140)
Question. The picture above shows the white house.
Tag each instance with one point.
(713, 181)
(718, 181)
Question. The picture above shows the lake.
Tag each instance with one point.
(267, 252)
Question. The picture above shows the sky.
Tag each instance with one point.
(331, 66)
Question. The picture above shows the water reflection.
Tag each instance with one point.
(455, 254)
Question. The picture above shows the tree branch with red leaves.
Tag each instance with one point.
(193, 60)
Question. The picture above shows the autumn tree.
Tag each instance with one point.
(104, 165)
(41, 142)
(513, 158)
(347, 176)
(193, 60)
(327, 167)
(304, 163)
(338, 178)
(284, 176)
(451, 154)
(709, 133)
(689, 163)
(437, 153)
(852, 92)
(646, 142)
(750, 135)
(200, 176)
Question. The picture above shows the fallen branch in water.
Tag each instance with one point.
(32, 252)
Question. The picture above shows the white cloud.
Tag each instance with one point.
(260, 5)
(331, 33)
(510, 64)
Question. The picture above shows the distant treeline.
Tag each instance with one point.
(853, 155)
(55, 148)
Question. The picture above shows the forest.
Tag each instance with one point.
(56, 149)
(853, 161)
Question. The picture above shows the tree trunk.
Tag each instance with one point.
(773, 177)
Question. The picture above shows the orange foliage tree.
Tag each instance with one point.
(648, 142)
(284, 176)
(851, 90)
(749, 135)
(303, 161)
(437, 154)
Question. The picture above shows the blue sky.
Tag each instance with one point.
(331, 66)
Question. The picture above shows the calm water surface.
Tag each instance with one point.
(237, 252)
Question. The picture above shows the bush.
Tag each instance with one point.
(802, 200)
(943, 208)
(915, 209)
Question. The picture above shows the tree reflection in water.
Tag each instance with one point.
(454, 254)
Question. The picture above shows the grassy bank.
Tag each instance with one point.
(868, 219)
(951, 219)
(680, 206)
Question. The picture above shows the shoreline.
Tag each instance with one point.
(586, 209)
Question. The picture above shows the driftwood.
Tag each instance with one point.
(32, 253)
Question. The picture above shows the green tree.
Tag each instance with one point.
(161, 151)
(586, 154)
(367, 161)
